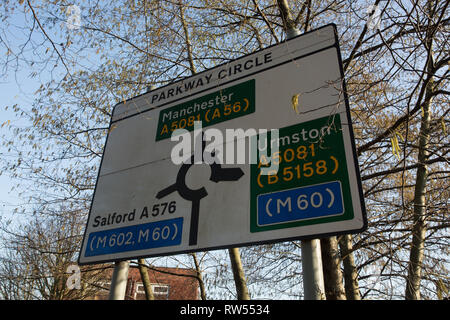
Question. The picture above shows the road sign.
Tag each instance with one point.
(144, 204)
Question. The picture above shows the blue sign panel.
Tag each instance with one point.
(144, 236)
(317, 201)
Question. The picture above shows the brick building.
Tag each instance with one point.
(167, 284)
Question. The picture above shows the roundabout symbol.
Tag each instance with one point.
(218, 174)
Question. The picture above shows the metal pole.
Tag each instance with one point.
(313, 285)
(119, 281)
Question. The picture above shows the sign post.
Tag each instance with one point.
(119, 280)
(158, 193)
(313, 282)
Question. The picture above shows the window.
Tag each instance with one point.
(140, 288)
(160, 290)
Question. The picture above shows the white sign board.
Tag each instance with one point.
(146, 205)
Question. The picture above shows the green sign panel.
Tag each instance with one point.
(311, 185)
(213, 108)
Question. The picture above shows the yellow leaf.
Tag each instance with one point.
(112, 128)
(295, 102)
(400, 136)
(6, 123)
(395, 146)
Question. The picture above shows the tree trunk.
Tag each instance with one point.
(145, 280)
(419, 228)
(334, 286)
(419, 215)
(350, 271)
(238, 274)
(199, 277)
(187, 38)
(286, 15)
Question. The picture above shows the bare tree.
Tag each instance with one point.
(396, 71)
(38, 258)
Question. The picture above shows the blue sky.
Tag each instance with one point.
(16, 87)
(12, 93)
